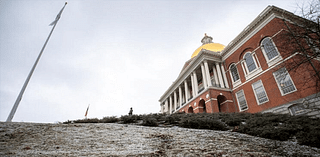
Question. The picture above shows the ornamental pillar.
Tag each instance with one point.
(175, 100)
(215, 75)
(192, 84)
(195, 79)
(224, 76)
(206, 69)
(186, 90)
(170, 104)
(180, 96)
(204, 77)
(166, 105)
(219, 75)
(161, 107)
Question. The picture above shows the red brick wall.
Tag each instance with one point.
(299, 76)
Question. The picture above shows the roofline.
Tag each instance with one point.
(264, 15)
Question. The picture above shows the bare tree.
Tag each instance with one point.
(302, 41)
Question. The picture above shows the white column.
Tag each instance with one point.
(161, 107)
(195, 79)
(170, 104)
(224, 76)
(192, 84)
(186, 90)
(215, 75)
(219, 75)
(180, 96)
(206, 69)
(166, 105)
(175, 100)
(204, 77)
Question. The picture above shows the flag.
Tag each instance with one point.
(58, 16)
(87, 111)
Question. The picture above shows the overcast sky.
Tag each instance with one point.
(112, 54)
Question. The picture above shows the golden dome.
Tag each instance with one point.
(215, 47)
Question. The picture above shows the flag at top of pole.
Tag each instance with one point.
(58, 16)
(16, 104)
(87, 111)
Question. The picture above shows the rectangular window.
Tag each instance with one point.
(241, 100)
(297, 109)
(284, 81)
(260, 92)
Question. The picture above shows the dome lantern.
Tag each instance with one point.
(206, 39)
(207, 44)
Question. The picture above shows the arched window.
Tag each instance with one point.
(251, 65)
(234, 73)
(297, 109)
(269, 48)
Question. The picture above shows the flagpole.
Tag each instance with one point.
(16, 104)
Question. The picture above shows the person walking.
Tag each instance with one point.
(130, 112)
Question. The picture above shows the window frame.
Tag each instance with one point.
(244, 100)
(244, 65)
(238, 81)
(255, 93)
(278, 83)
(302, 109)
(275, 59)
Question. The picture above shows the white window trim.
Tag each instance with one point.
(239, 102)
(238, 82)
(258, 69)
(304, 111)
(256, 93)
(273, 60)
(280, 86)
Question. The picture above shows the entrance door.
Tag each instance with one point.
(190, 110)
(203, 105)
(221, 99)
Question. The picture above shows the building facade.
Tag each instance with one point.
(250, 74)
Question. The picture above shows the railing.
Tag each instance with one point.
(190, 98)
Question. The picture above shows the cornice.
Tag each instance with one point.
(257, 24)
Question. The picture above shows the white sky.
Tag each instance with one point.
(112, 54)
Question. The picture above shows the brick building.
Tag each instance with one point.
(252, 73)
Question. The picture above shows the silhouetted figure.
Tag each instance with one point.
(130, 112)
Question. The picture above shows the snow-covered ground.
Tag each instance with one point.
(103, 139)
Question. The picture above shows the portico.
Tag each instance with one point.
(204, 72)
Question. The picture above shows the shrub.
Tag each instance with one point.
(150, 122)
(311, 138)
(202, 123)
(93, 120)
(173, 118)
(112, 119)
(129, 119)
(233, 121)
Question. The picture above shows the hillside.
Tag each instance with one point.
(111, 139)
